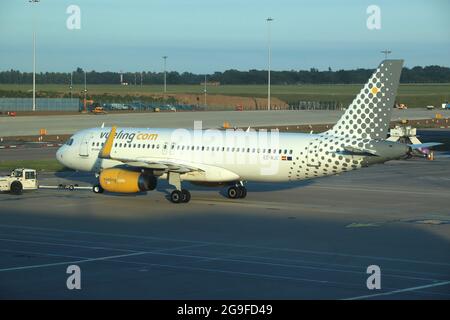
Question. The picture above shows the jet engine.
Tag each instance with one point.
(126, 181)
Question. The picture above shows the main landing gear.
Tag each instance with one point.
(179, 195)
(237, 191)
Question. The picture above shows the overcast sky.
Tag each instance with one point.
(214, 35)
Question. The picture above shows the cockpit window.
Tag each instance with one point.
(69, 142)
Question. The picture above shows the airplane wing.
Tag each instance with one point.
(147, 163)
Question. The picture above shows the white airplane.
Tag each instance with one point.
(130, 160)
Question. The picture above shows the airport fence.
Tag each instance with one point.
(42, 104)
(317, 105)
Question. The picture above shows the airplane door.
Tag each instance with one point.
(312, 154)
(84, 146)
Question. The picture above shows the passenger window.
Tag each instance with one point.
(285, 151)
(290, 151)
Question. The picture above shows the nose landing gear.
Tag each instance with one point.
(97, 188)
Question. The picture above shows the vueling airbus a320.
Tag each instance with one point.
(130, 160)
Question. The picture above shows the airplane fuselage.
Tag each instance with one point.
(236, 155)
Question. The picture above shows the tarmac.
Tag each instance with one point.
(308, 240)
(69, 124)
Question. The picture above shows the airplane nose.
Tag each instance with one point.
(60, 155)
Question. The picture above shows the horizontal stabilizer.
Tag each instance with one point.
(348, 150)
(424, 145)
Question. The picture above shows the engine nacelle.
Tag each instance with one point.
(126, 181)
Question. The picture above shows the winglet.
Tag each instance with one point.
(106, 151)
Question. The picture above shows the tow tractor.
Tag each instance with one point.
(22, 179)
(19, 180)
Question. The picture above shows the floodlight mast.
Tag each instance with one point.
(269, 20)
(34, 55)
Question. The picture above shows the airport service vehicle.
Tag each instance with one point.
(98, 110)
(131, 160)
(19, 180)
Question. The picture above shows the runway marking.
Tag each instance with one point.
(84, 260)
(65, 245)
(400, 291)
(203, 258)
(118, 235)
(227, 256)
(258, 275)
(71, 262)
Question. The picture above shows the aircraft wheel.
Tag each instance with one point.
(243, 192)
(176, 196)
(234, 192)
(97, 189)
(186, 195)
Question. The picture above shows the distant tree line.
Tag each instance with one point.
(429, 74)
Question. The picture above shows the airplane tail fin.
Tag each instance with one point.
(369, 115)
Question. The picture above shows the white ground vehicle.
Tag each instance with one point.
(19, 180)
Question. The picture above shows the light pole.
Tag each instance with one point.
(386, 52)
(34, 56)
(85, 92)
(71, 85)
(165, 75)
(204, 91)
(269, 20)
